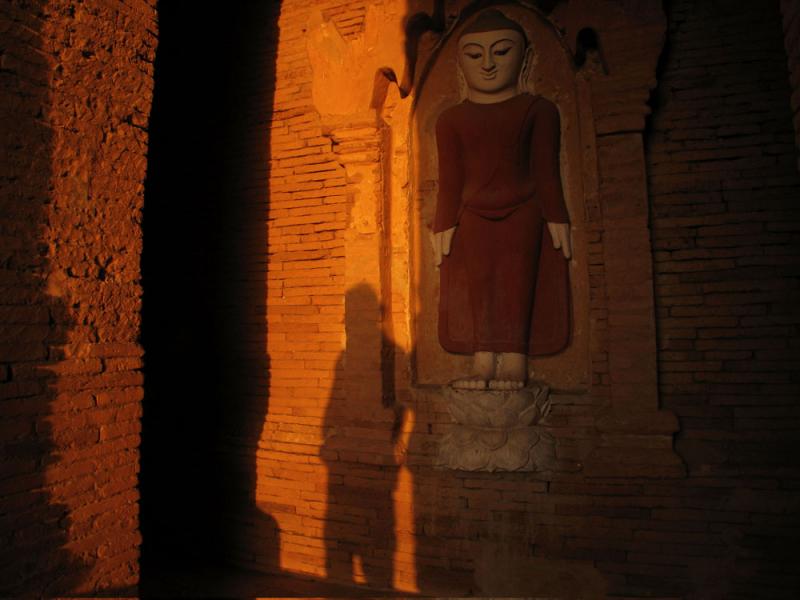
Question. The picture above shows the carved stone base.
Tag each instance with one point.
(497, 430)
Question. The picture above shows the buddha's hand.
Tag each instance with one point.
(562, 239)
(442, 242)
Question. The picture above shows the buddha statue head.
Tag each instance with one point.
(492, 53)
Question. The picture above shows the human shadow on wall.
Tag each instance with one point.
(364, 447)
(205, 290)
(35, 324)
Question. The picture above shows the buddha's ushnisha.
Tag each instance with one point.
(501, 230)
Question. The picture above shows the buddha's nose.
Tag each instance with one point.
(488, 62)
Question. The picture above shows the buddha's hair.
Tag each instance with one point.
(493, 20)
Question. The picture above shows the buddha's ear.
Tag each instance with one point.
(527, 65)
(463, 88)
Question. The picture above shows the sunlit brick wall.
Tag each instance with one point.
(76, 82)
(305, 307)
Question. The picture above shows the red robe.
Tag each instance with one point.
(504, 288)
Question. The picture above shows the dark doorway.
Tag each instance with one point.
(204, 276)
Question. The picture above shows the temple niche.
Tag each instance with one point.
(596, 398)
(551, 75)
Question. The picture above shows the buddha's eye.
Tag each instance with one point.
(473, 55)
(502, 51)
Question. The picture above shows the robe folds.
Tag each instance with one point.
(504, 288)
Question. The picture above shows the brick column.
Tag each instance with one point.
(635, 436)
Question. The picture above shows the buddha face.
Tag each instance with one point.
(491, 60)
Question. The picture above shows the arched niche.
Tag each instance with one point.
(553, 76)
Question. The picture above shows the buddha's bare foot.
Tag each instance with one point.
(483, 367)
(469, 383)
(506, 384)
(512, 372)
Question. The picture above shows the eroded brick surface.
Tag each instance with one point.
(76, 84)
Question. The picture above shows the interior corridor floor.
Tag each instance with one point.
(184, 579)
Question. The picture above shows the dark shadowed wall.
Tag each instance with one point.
(724, 186)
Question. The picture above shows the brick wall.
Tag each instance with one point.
(316, 456)
(323, 474)
(724, 188)
(305, 306)
(340, 503)
(76, 86)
